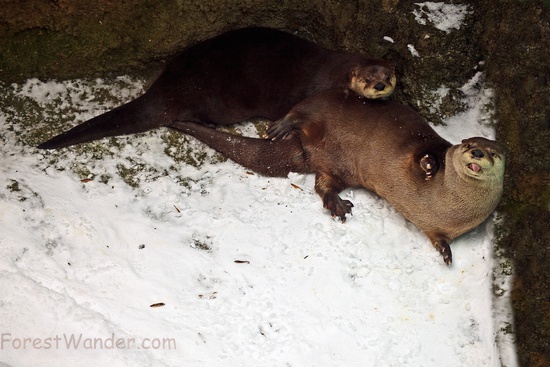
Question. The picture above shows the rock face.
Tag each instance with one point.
(436, 47)
(75, 38)
(516, 45)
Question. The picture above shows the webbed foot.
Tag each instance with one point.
(279, 129)
(445, 250)
(338, 207)
(429, 165)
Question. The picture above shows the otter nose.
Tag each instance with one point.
(478, 153)
(380, 87)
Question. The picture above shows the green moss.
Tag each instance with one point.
(179, 148)
(14, 186)
(104, 179)
(498, 291)
(202, 245)
(82, 171)
(508, 329)
(21, 191)
(507, 268)
(130, 173)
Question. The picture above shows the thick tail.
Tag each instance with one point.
(266, 157)
(139, 115)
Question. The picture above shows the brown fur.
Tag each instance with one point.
(238, 75)
(379, 145)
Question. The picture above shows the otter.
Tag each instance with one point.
(382, 146)
(236, 76)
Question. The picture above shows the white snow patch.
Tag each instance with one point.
(476, 118)
(389, 39)
(412, 50)
(444, 17)
(86, 260)
(437, 97)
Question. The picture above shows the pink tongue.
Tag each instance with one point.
(475, 167)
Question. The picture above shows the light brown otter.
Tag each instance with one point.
(348, 142)
(238, 75)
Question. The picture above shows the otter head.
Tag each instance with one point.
(481, 160)
(375, 79)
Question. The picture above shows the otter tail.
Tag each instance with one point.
(266, 157)
(139, 115)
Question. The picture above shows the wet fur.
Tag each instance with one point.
(238, 75)
(349, 142)
(268, 158)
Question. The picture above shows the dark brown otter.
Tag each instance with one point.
(238, 75)
(348, 141)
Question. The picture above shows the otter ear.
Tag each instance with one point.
(354, 71)
(393, 79)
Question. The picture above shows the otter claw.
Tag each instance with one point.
(278, 130)
(445, 251)
(338, 207)
(429, 166)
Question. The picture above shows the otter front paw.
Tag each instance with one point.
(338, 207)
(429, 165)
(279, 129)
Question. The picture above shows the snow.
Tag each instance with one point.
(248, 270)
(444, 17)
(413, 50)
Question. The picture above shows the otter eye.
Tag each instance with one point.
(468, 146)
(494, 155)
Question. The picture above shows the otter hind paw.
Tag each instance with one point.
(278, 130)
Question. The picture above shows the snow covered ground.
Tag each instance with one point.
(215, 266)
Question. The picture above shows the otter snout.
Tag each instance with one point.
(483, 159)
(478, 153)
(380, 87)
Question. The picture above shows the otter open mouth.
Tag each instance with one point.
(474, 167)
